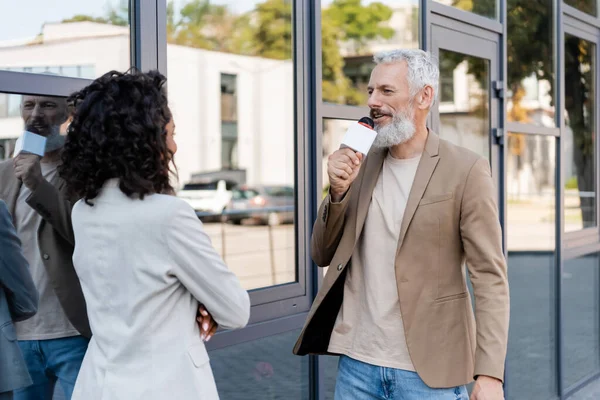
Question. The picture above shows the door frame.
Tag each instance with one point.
(485, 46)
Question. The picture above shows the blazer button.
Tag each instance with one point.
(340, 267)
(46, 257)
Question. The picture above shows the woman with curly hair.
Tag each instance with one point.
(142, 255)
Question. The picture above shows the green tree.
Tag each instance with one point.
(357, 23)
(273, 33)
(351, 23)
(531, 22)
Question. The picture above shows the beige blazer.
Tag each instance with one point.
(451, 222)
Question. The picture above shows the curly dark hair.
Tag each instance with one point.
(119, 131)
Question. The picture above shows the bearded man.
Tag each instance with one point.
(400, 229)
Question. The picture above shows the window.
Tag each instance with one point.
(351, 34)
(587, 6)
(231, 91)
(530, 233)
(530, 81)
(92, 33)
(485, 8)
(580, 136)
(580, 305)
(263, 369)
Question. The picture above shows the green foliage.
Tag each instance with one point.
(267, 31)
(571, 183)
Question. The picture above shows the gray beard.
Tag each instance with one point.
(400, 130)
(54, 141)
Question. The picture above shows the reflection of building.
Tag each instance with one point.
(251, 127)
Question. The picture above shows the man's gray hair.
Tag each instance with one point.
(423, 68)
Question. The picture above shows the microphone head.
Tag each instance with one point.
(367, 121)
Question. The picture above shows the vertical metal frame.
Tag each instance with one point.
(559, 225)
(314, 41)
(144, 25)
(502, 153)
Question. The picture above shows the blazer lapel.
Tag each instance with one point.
(372, 166)
(429, 161)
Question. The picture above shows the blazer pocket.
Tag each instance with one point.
(451, 297)
(436, 198)
(198, 355)
(9, 332)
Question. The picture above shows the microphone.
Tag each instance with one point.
(360, 136)
(30, 142)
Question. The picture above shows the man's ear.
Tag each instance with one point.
(425, 98)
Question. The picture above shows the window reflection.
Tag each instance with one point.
(530, 192)
(485, 8)
(94, 37)
(580, 137)
(587, 6)
(351, 32)
(531, 208)
(464, 101)
(581, 324)
(231, 91)
(11, 123)
(333, 133)
(262, 369)
(530, 68)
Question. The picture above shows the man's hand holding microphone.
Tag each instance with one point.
(344, 164)
(342, 167)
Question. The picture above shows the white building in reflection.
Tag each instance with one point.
(235, 111)
(231, 111)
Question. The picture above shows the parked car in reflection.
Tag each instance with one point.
(208, 196)
(248, 201)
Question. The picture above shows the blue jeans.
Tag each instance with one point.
(49, 361)
(360, 381)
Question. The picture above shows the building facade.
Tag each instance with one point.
(262, 92)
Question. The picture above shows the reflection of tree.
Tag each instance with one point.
(266, 31)
(579, 104)
(530, 21)
(587, 6)
(351, 23)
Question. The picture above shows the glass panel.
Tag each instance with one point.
(531, 208)
(11, 123)
(226, 61)
(486, 8)
(7, 146)
(84, 32)
(530, 95)
(351, 32)
(261, 369)
(14, 104)
(464, 101)
(71, 71)
(587, 6)
(333, 133)
(581, 308)
(3, 105)
(580, 136)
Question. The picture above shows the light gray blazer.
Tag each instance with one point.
(144, 266)
(18, 302)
